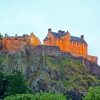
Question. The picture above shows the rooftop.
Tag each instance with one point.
(60, 34)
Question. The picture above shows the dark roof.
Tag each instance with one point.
(59, 35)
(62, 33)
(78, 39)
(14, 36)
(56, 35)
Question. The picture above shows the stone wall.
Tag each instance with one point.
(20, 59)
(92, 58)
(1, 46)
(13, 44)
(43, 50)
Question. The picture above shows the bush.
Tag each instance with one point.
(38, 96)
(93, 94)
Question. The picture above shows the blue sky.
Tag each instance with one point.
(76, 16)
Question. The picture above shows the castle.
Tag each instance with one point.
(76, 46)
(13, 43)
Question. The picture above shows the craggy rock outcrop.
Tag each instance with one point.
(46, 69)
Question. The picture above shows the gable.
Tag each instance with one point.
(49, 36)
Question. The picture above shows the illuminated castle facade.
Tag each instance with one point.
(13, 43)
(76, 46)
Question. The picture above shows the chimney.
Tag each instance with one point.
(6, 35)
(82, 37)
(59, 31)
(15, 35)
(49, 30)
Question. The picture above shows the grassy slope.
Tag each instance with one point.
(74, 73)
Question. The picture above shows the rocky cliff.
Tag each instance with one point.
(46, 69)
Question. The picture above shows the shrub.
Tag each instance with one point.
(93, 94)
(38, 96)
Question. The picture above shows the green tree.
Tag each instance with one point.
(4, 84)
(93, 94)
(38, 96)
(17, 85)
(11, 84)
(2, 88)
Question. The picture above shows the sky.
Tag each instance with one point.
(79, 17)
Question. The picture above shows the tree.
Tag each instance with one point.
(2, 89)
(4, 84)
(93, 94)
(11, 84)
(17, 85)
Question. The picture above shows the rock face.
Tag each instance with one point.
(46, 69)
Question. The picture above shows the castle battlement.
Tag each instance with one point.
(13, 43)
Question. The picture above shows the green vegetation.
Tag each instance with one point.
(74, 72)
(38, 96)
(17, 85)
(11, 84)
(93, 94)
(59, 75)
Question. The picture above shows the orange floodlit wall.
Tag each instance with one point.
(18, 42)
(74, 45)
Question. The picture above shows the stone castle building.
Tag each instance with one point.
(13, 43)
(76, 46)
(62, 40)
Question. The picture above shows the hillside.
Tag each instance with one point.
(59, 73)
